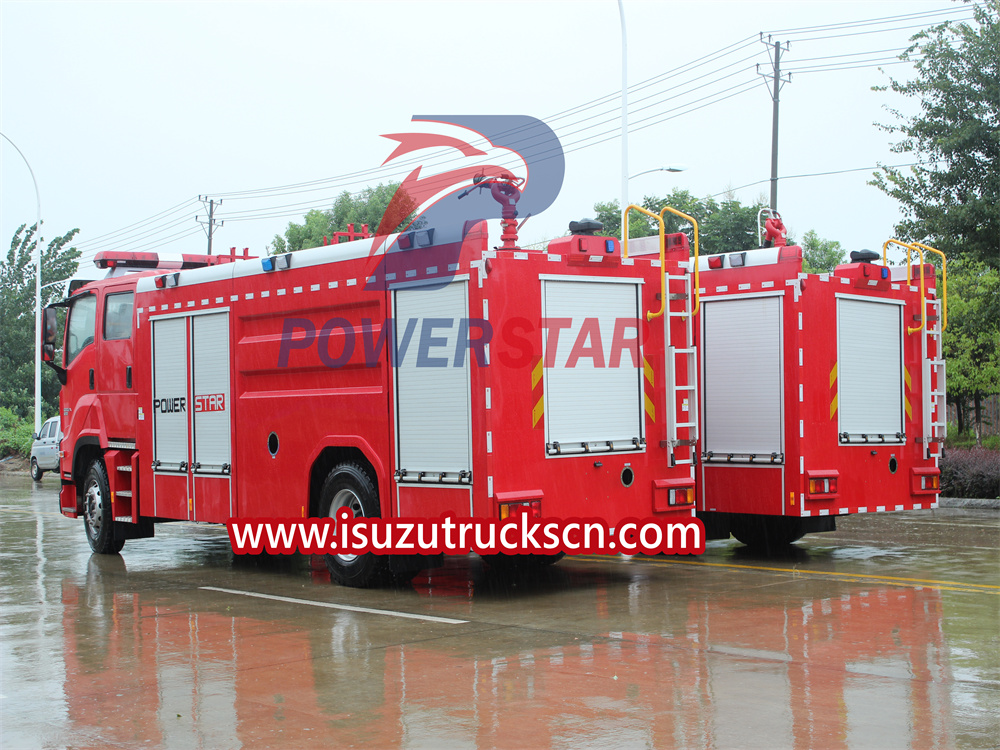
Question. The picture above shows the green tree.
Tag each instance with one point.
(819, 255)
(726, 227)
(972, 338)
(368, 206)
(17, 311)
(952, 199)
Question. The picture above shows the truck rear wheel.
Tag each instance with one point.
(767, 533)
(97, 518)
(349, 486)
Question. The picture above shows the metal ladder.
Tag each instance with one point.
(933, 383)
(687, 354)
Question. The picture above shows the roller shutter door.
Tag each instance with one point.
(588, 398)
(869, 369)
(743, 374)
(432, 393)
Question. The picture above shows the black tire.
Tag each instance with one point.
(349, 486)
(97, 518)
(767, 533)
(36, 473)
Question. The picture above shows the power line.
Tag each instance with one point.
(824, 174)
(585, 117)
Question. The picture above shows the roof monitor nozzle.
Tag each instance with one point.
(864, 256)
(585, 226)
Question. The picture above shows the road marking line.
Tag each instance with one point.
(799, 571)
(346, 607)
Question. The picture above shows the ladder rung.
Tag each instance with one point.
(685, 424)
(690, 350)
(685, 387)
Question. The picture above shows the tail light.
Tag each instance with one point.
(684, 496)
(532, 507)
(822, 485)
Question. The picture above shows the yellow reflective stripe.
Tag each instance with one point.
(538, 411)
(648, 370)
(833, 405)
(833, 375)
(906, 377)
(650, 409)
(536, 374)
(909, 409)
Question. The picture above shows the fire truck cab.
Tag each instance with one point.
(441, 376)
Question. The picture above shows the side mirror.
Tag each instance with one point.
(34, 436)
(50, 329)
(48, 352)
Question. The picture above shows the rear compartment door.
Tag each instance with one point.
(592, 403)
(742, 371)
(869, 370)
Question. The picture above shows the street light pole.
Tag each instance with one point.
(621, 13)
(38, 289)
(659, 169)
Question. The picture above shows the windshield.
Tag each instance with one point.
(82, 323)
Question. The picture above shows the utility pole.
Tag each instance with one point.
(777, 82)
(210, 225)
(621, 14)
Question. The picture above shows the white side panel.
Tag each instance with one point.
(869, 368)
(592, 401)
(211, 410)
(742, 371)
(432, 393)
(170, 392)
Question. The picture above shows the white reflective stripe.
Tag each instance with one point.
(869, 367)
(594, 400)
(170, 407)
(433, 394)
(743, 371)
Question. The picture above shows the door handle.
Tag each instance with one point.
(91, 378)
(128, 376)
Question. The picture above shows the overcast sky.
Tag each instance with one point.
(130, 110)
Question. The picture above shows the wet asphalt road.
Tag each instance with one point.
(884, 634)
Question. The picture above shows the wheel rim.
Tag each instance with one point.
(93, 511)
(347, 498)
(34, 468)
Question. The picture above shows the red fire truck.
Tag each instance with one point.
(822, 394)
(443, 376)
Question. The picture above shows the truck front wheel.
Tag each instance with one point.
(97, 518)
(349, 486)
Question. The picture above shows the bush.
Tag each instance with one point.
(16, 434)
(971, 472)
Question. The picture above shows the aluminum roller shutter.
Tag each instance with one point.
(743, 373)
(869, 368)
(211, 410)
(592, 402)
(170, 381)
(432, 394)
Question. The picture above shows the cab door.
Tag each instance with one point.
(114, 373)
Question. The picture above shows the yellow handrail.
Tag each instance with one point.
(694, 223)
(923, 293)
(944, 282)
(663, 269)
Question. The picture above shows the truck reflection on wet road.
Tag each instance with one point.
(883, 634)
